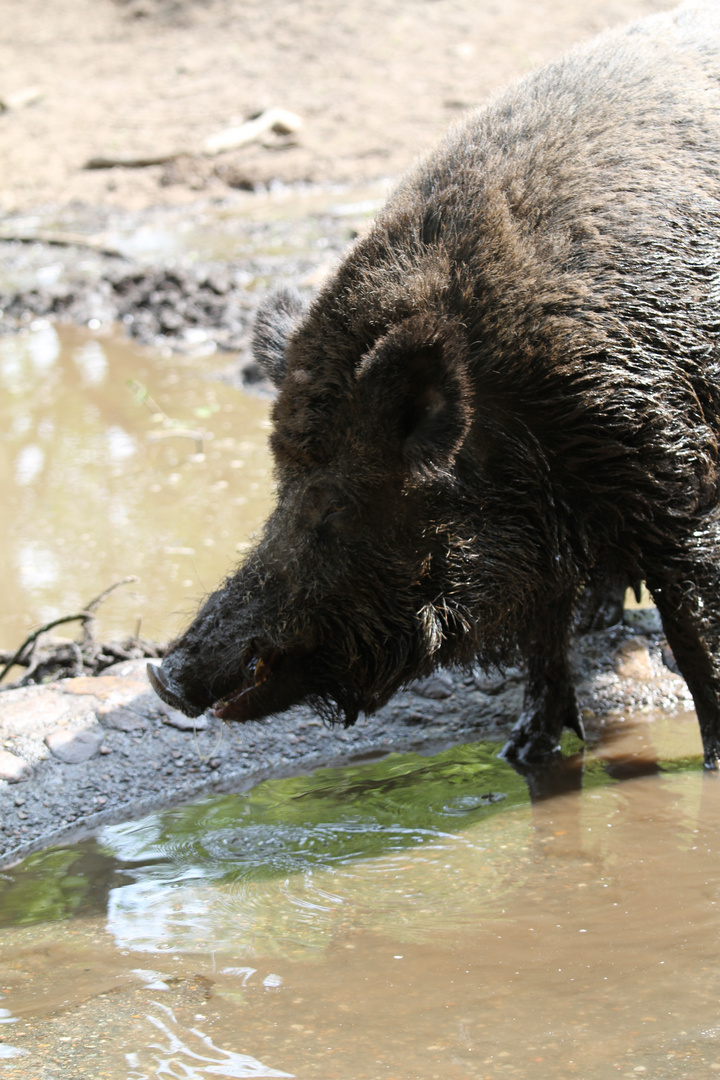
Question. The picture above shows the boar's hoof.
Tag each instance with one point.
(711, 755)
(529, 751)
(531, 742)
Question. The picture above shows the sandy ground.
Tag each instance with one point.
(374, 82)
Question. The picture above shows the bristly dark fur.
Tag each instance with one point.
(509, 388)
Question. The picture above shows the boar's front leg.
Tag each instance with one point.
(689, 605)
(550, 703)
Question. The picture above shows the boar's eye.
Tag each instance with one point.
(333, 512)
(328, 504)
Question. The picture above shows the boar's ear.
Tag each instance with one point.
(275, 322)
(422, 395)
(436, 408)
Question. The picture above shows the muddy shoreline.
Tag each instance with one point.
(89, 751)
(170, 286)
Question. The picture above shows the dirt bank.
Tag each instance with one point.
(373, 84)
(178, 278)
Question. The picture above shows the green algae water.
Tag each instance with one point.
(418, 918)
(300, 825)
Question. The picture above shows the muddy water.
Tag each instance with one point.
(411, 919)
(117, 461)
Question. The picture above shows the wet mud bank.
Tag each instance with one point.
(187, 281)
(88, 751)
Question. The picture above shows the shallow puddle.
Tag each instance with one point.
(116, 461)
(413, 918)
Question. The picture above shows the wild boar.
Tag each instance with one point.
(510, 387)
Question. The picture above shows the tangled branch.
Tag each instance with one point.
(46, 658)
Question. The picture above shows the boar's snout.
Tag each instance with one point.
(268, 680)
(223, 654)
(169, 688)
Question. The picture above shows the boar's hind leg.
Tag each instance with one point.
(549, 705)
(690, 611)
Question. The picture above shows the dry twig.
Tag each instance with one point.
(55, 658)
(61, 239)
(279, 121)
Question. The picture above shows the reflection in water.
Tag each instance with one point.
(91, 493)
(92, 362)
(281, 828)
(177, 1058)
(43, 347)
(6, 1050)
(37, 567)
(573, 937)
(28, 465)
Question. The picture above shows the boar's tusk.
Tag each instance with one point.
(170, 694)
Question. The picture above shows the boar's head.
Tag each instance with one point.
(387, 553)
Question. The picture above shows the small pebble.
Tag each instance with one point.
(437, 687)
(178, 720)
